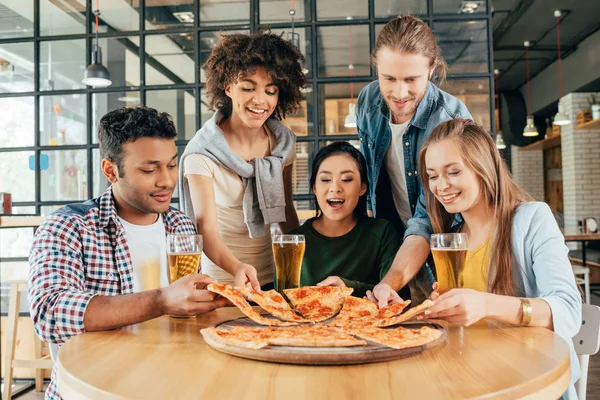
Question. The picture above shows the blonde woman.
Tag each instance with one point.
(517, 269)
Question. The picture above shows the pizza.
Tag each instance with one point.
(398, 338)
(410, 314)
(238, 300)
(273, 303)
(318, 303)
(356, 312)
(392, 310)
(302, 336)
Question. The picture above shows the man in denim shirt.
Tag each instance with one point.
(395, 115)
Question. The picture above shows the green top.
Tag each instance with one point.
(361, 257)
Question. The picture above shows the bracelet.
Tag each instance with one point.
(525, 311)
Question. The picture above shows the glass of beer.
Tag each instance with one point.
(449, 252)
(289, 252)
(184, 252)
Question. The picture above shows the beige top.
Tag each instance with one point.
(229, 193)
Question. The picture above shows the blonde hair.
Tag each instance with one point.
(411, 35)
(480, 154)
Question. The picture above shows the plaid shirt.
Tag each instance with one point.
(80, 251)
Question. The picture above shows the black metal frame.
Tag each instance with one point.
(253, 25)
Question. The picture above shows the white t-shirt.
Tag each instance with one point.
(394, 163)
(148, 250)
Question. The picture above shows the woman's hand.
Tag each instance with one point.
(461, 307)
(245, 274)
(332, 281)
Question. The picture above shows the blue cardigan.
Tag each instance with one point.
(541, 269)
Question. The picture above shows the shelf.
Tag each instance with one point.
(15, 221)
(543, 144)
(593, 124)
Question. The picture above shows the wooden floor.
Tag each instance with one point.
(593, 390)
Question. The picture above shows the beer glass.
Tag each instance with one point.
(184, 252)
(449, 252)
(289, 252)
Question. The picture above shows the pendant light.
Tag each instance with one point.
(530, 129)
(350, 121)
(499, 140)
(96, 74)
(560, 118)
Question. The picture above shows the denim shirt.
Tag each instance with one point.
(372, 120)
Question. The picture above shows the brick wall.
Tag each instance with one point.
(528, 171)
(580, 163)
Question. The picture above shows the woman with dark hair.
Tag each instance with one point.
(236, 173)
(344, 247)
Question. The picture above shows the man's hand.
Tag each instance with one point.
(332, 281)
(187, 296)
(383, 295)
(245, 274)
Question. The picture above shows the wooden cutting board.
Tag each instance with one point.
(370, 353)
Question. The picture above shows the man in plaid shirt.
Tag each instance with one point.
(86, 258)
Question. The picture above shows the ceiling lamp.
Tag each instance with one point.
(96, 74)
(560, 118)
(499, 141)
(530, 129)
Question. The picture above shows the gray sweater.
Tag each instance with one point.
(264, 194)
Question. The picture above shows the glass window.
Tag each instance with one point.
(301, 168)
(334, 105)
(117, 16)
(208, 40)
(301, 121)
(23, 210)
(393, 8)
(16, 67)
(17, 127)
(344, 51)
(47, 210)
(355, 143)
(17, 176)
(65, 178)
(99, 181)
(102, 103)
(62, 64)
(342, 9)
(162, 14)
(63, 120)
(303, 35)
(121, 57)
(459, 6)
(13, 270)
(15, 242)
(180, 104)
(17, 18)
(170, 59)
(277, 11)
(475, 93)
(206, 112)
(62, 18)
(224, 12)
(464, 45)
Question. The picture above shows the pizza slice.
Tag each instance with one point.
(313, 336)
(392, 310)
(249, 338)
(410, 314)
(238, 300)
(273, 303)
(398, 338)
(356, 312)
(318, 303)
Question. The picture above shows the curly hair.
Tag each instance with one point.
(239, 55)
(129, 124)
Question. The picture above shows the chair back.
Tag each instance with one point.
(587, 341)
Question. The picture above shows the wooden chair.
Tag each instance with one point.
(587, 343)
(582, 277)
(39, 363)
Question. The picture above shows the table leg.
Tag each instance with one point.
(583, 253)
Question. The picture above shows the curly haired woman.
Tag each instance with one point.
(236, 173)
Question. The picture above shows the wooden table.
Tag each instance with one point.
(576, 236)
(167, 358)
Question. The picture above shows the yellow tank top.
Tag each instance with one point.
(476, 266)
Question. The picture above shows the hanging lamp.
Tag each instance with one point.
(530, 129)
(96, 74)
(560, 118)
(499, 140)
(350, 120)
